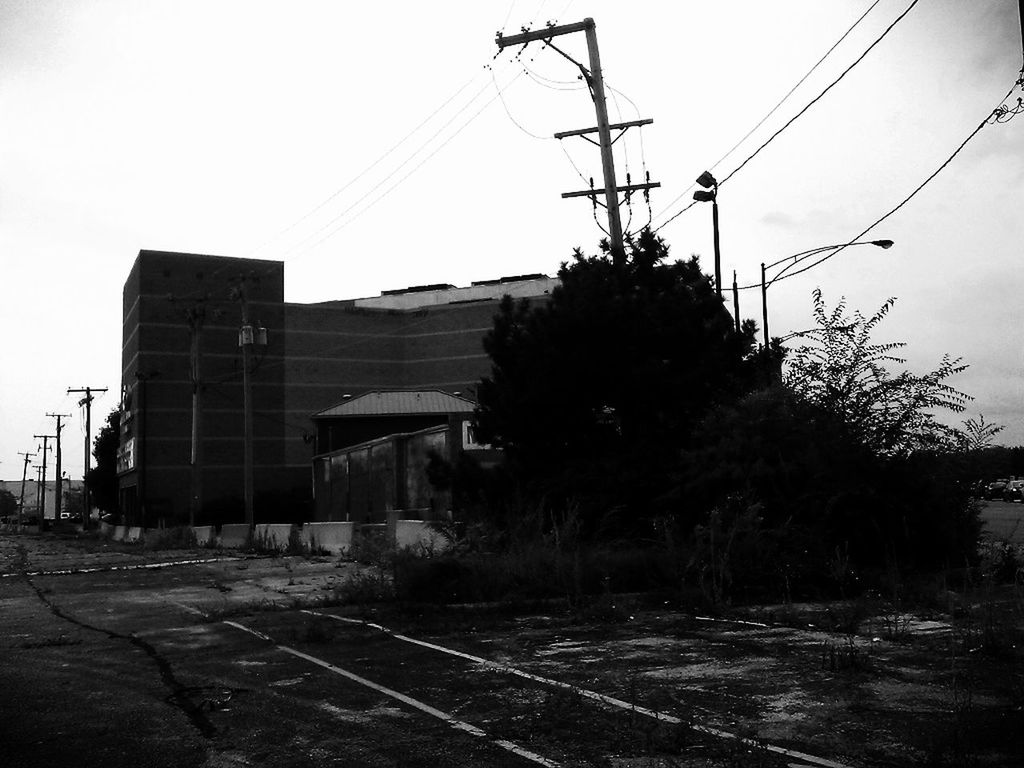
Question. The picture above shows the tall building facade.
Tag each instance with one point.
(182, 422)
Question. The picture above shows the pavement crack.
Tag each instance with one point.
(180, 694)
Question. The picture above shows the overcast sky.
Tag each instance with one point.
(364, 145)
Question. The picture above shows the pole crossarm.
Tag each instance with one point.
(547, 33)
(627, 188)
(622, 127)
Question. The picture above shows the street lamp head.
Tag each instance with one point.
(706, 180)
(704, 196)
(882, 243)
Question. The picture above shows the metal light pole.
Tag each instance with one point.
(793, 260)
(710, 194)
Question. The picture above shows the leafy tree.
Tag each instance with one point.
(843, 372)
(102, 476)
(8, 504)
(593, 393)
(844, 461)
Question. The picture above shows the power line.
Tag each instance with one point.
(515, 122)
(797, 115)
(367, 169)
(780, 102)
(413, 170)
(302, 246)
(817, 98)
(994, 116)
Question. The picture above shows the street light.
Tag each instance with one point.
(710, 195)
(795, 259)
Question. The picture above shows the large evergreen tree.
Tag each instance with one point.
(593, 394)
(102, 477)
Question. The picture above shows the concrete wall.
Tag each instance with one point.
(333, 538)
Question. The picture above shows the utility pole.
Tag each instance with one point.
(595, 80)
(735, 301)
(248, 336)
(196, 315)
(42, 483)
(87, 402)
(24, 474)
(39, 482)
(764, 310)
(60, 481)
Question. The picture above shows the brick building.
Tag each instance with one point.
(183, 311)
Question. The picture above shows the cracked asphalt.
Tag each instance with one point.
(113, 656)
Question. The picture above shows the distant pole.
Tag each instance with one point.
(245, 341)
(196, 315)
(24, 474)
(58, 500)
(735, 301)
(764, 308)
(1020, 17)
(87, 402)
(42, 484)
(718, 252)
(39, 493)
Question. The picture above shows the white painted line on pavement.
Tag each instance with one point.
(594, 695)
(414, 703)
(104, 568)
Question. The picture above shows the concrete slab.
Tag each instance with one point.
(234, 535)
(336, 538)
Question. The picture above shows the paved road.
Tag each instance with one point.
(1004, 521)
(114, 657)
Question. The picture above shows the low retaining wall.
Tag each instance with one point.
(335, 538)
(272, 535)
(206, 535)
(233, 535)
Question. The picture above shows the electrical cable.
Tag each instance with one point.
(572, 162)
(991, 118)
(817, 98)
(301, 245)
(781, 101)
(779, 104)
(515, 122)
(415, 168)
(363, 172)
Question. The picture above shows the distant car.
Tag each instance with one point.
(995, 489)
(1014, 491)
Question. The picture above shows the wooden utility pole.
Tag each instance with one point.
(603, 130)
(196, 315)
(39, 484)
(24, 474)
(58, 500)
(87, 402)
(42, 483)
(735, 301)
(247, 337)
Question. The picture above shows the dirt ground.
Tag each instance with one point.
(112, 656)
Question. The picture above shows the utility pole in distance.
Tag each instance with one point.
(248, 336)
(603, 130)
(24, 474)
(58, 500)
(42, 482)
(39, 483)
(196, 315)
(87, 402)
